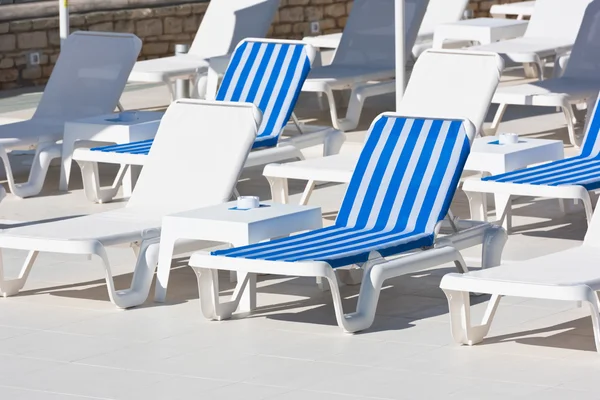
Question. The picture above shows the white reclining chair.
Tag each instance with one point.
(473, 76)
(87, 80)
(224, 24)
(551, 33)
(364, 61)
(579, 82)
(218, 138)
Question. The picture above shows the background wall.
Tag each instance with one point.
(29, 32)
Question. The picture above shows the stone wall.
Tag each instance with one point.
(30, 30)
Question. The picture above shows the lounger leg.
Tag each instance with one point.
(10, 287)
(498, 117)
(463, 332)
(377, 272)
(333, 143)
(574, 138)
(91, 182)
(310, 186)
(595, 313)
(494, 240)
(208, 290)
(142, 275)
(45, 153)
(503, 210)
(279, 189)
(477, 205)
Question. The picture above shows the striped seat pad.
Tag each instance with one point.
(582, 170)
(401, 188)
(268, 74)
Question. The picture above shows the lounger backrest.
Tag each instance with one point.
(556, 19)
(591, 141)
(189, 166)
(89, 76)
(226, 22)
(406, 174)
(584, 61)
(442, 12)
(368, 38)
(452, 84)
(270, 74)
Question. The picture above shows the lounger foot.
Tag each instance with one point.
(11, 287)
(463, 332)
(333, 143)
(91, 182)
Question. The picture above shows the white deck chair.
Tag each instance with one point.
(438, 77)
(580, 80)
(216, 156)
(573, 178)
(364, 61)
(551, 32)
(400, 192)
(570, 275)
(88, 79)
(224, 24)
(438, 12)
(268, 73)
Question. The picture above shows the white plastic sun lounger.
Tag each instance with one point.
(571, 178)
(224, 24)
(579, 82)
(551, 32)
(216, 155)
(438, 12)
(364, 61)
(400, 192)
(268, 73)
(520, 9)
(437, 77)
(88, 79)
(570, 275)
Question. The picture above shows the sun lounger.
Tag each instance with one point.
(88, 79)
(437, 77)
(399, 193)
(520, 9)
(269, 73)
(570, 275)
(570, 178)
(551, 33)
(224, 25)
(578, 83)
(438, 12)
(364, 61)
(218, 137)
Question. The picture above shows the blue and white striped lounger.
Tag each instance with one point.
(399, 193)
(266, 72)
(570, 178)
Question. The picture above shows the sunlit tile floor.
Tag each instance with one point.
(62, 338)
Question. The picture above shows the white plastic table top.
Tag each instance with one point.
(482, 30)
(484, 157)
(221, 223)
(106, 128)
(521, 9)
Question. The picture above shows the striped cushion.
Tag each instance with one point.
(268, 74)
(582, 170)
(401, 188)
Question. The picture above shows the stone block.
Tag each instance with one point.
(4, 28)
(44, 23)
(32, 40)
(7, 63)
(125, 26)
(292, 14)
(77, 20)
(199, 8)
(183, 10)
(313, 13)
(98, 17)
(32, 73)
(298, 2)
(282, 29)
(191, 24)
(335, 10)
(54, 37)
(8, 42)
(9, 75)
(20, 26)
(149, 27)
(102, 27)
(327, 24)
(47, 71)
(21, 60)
(158, 48)
(173, 25)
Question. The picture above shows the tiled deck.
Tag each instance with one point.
(62, 338)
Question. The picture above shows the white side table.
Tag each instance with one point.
(484, 157)
(520, 10)
(482, 30)
(109, 129)
(221, 223)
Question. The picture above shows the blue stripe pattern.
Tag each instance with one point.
(268, 74)
(582, 170)
(402, 187)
